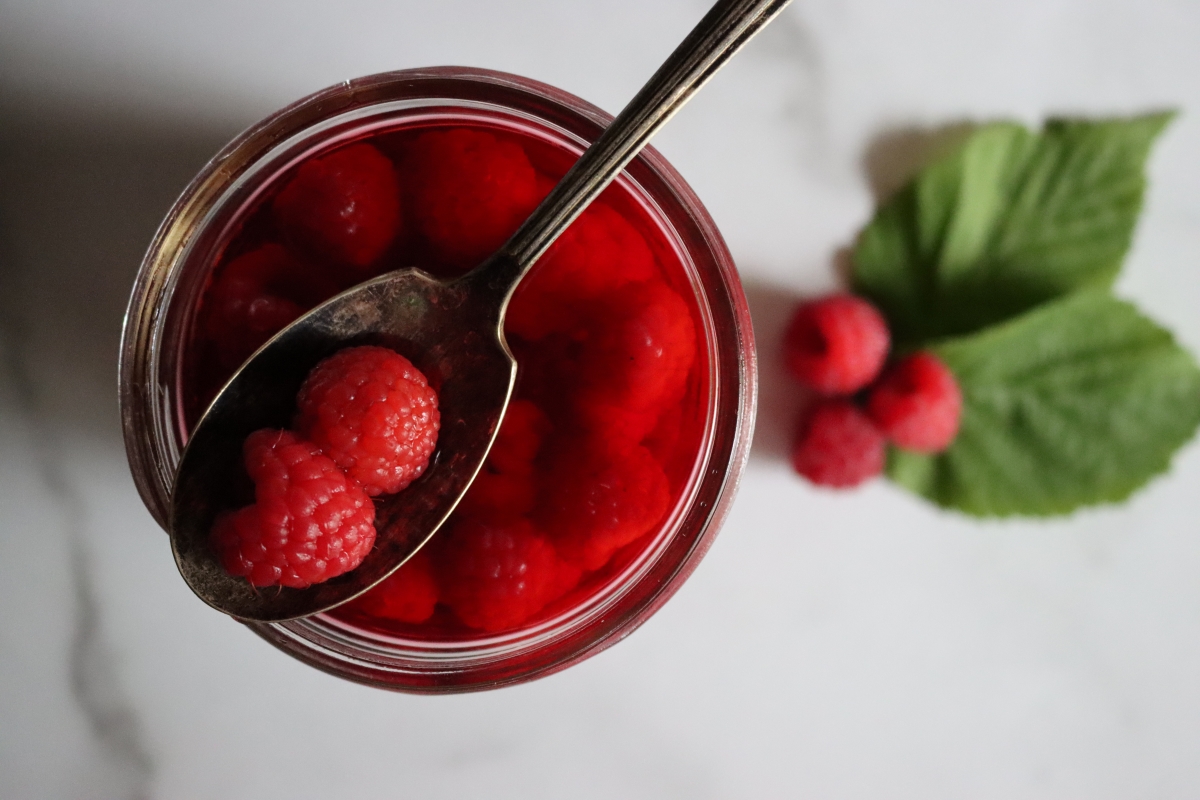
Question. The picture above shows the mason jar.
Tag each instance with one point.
(158, 404)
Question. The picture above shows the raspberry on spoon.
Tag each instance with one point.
(373, 413)
(308, 523)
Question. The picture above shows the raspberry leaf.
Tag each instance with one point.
(1007, 221)
(1079, 401)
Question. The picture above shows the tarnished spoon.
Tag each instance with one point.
(452, 330)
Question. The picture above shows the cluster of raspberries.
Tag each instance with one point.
(605, 345)
(366, 424)
(837, 346)
(576, 474)
(353, 213)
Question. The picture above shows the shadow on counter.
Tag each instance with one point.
(81, 195)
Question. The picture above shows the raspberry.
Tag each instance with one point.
(373, 413)
(469, 192)
(598, 253)
(496, 575)
(308, 523)
(837, 445)
(836, 345)
(625, 362)
(344, 206)
(595, 503)
(407, 595)
(634, 364)
(917, 403)
(520, 437)
(505, 486)
(253, 298)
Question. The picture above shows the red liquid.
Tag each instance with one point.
(612, 395)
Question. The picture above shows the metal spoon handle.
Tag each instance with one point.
(724, 29)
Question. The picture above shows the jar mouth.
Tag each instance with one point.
(165, 297)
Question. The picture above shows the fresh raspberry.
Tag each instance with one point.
(373, 413)
(836, 345)
(469, 192)
(254, 297)
(595, 503)
(917, 403)
(407, 595)
(344, 206)
(838, 445)
(308, 523)
(598, 253)
(626, 361)
(634, 363)
(505, 485)
(495, 575)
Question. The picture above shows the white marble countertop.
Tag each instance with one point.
(856, 645)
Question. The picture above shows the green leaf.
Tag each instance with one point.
(1079, 401)
(1010, 220)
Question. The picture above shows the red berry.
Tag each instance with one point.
(308, 523)
(344, 206)
(254, 297)
(407, 595)
(634, 362)
(918, 404)
(505, 485)
(838, 445)
(496, 575)
(373, 413)
(595, 503)
(524, 429)
(836, 345)
(469, 192)
(598, 253)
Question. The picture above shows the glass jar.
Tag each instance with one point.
(174, 273)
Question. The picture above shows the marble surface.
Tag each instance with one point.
(830, 646)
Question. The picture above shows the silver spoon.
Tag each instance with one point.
(453, 331)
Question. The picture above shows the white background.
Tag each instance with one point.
(859, 645)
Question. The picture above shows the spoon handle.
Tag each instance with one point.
(724, 29)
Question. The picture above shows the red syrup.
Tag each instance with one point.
(609, 414)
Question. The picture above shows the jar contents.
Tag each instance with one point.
(607, 420)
